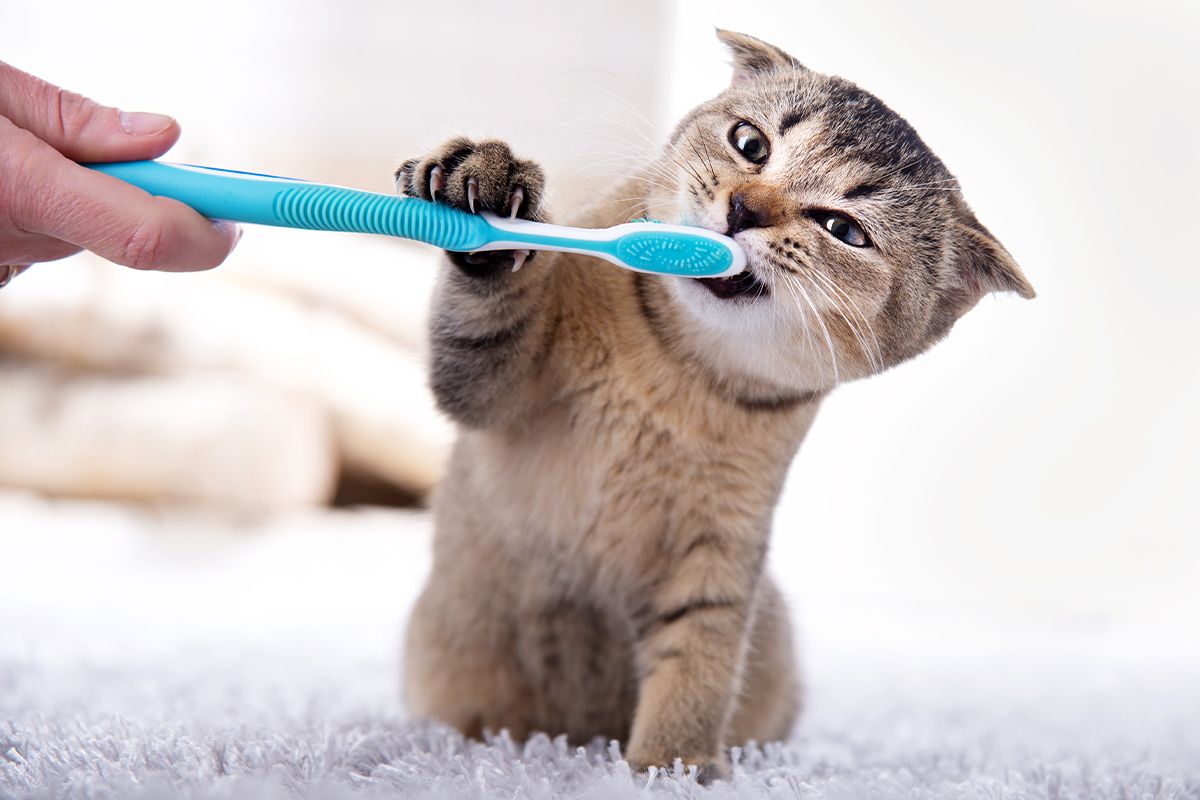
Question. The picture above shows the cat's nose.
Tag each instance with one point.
(743, 215)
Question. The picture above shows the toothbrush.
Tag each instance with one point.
(286, 202)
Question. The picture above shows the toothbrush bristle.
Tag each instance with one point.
(671, 253)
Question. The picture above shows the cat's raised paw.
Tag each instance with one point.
(478, 176)
(475, 176)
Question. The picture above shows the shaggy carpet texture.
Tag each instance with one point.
(267, 666)
(201, 727)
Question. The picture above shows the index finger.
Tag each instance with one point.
(79, 127)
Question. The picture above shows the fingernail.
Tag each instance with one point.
(141, 123)
(231, 227)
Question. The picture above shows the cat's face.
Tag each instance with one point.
(861, 249)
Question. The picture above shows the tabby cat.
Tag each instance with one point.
(601, 535)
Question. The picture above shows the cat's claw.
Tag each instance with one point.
(472, 192)
(518, 197)
(437, 181)
(519, 257)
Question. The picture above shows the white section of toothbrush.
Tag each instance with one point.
(535, 236)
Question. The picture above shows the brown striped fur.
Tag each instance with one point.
(601, 535)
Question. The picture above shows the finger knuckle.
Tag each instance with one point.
(146, 246)
(22, 162)
(17, 147)
(70, 112)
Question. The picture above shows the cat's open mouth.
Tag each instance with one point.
(744, 284)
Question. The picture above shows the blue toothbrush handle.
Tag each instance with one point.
(290, 203)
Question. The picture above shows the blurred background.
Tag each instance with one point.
(249, 450)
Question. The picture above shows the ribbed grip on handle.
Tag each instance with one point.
(333, 208)
(272, 200)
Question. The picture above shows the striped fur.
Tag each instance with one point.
(601, 536)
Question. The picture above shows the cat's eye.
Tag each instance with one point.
(842, 228)
(750, 142)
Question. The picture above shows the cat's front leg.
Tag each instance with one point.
(690, 652)
(490, 310)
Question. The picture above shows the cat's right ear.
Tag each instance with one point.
(981, 265)
(754, 57)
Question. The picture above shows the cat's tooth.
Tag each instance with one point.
(436, 182)
(472, 192)
(519, 257)
(518, 197)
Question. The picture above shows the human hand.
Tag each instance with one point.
(50, 207)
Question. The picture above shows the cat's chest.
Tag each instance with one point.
(608, 484)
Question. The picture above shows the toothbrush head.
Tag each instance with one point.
(650, 246)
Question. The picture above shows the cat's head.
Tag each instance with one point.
(862, 251)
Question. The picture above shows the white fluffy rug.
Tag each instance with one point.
(135, 662)
(199, 727)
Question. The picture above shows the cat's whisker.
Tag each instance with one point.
(916, 188)
(638, 207)
(654, 211)
(612, 164)
(688, 168)
(648, 144)
(569, 75)
(667, 152)
(650, 167)
(837, 307)
(905, 166)
(636, 149)
(617, 102)
(621, 101)
(790, 279)
(770, 280)
(810, 343)
(707, 164)
(879, 364)
(805, 309)
(874, 354)
(779, 324)
(824, 332)
(613, 155)
(650, 177)
(708, 151)
(687, 157)
(629, 148)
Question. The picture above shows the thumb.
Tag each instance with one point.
(79, 128)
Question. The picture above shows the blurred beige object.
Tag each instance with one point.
(386, 286)
(200, 439)
(94, 314)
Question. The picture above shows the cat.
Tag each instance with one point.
(602, 531)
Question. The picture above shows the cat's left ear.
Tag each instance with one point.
(754, 57)
(982, 265)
